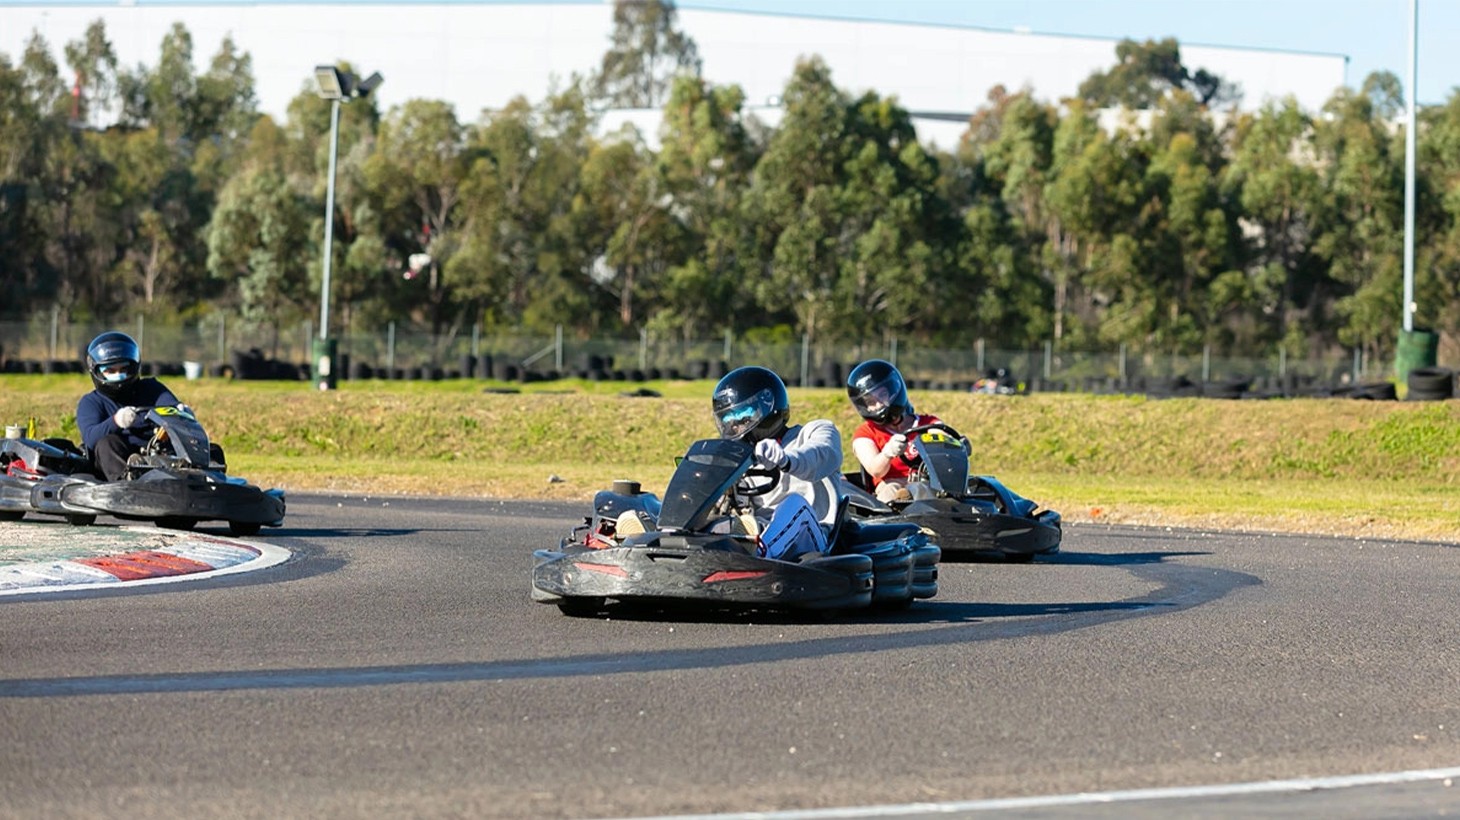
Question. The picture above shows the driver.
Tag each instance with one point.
(879, 393)
(112, 416)
(751, 405)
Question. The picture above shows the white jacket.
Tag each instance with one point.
(814, 453)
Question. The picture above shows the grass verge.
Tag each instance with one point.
(1331, 466)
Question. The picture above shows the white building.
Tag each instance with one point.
(480, 55)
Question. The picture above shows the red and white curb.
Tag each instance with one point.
(181, 557)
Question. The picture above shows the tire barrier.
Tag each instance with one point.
(1423, 383)
(1431, 384)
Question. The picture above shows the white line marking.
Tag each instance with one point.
(1090, 798)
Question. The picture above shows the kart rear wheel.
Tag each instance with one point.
(581, 605)
(244, 527)
(80, 520)
(176, 522)
(11, 515)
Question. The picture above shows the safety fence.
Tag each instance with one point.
(216, 347)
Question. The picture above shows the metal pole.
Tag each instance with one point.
(329, 223)
(1409, 132)
(558, 350)
(805, 359)
(643, 349)
(390, 350)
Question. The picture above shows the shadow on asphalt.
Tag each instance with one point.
(952, 623)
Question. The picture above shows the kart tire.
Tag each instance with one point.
(581, 606)
(11, 515)
(80, 519)
(176, 522)
(244, 527)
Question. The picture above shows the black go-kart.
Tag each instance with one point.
(974, 516)
(691, 553)
(178, 480)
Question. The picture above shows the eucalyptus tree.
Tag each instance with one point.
(1361, 237)
(29, 127)
(706, 157)
(648, 52)
(1437, 268)
(415, 176)
(1192, 239)
(1146, 72)
(520, 263)
(260, 240)
(848, 224)
(1009, 147)
(1274, 177)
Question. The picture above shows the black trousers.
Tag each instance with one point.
(110, 455)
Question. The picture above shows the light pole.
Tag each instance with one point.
(337, 86)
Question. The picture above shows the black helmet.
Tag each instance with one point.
(878, 392)
(108, 349)
(751, 404)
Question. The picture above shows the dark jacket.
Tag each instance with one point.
(95, 410)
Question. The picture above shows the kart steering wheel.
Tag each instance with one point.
(917, 430)
(749, 485)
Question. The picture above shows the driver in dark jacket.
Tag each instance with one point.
(112, 418)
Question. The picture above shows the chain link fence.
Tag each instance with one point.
(217, 347)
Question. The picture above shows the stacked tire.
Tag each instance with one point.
(1431, 384)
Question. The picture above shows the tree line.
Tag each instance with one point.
(1145, 211)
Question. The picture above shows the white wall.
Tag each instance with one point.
(480, 56)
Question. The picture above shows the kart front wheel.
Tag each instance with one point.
(581, 605)
(244, 527)
(173, 522)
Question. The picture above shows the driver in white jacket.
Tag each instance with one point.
(750, 404)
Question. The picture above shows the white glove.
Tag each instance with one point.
(186, 409)
(895, 446)
(769, 452)
(125, 417)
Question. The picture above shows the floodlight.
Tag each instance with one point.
(369, 84)
(333, 84)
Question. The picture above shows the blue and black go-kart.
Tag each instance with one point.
(177, 480)
(974, 516)
(694, 549)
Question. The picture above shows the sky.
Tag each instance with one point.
(1373, 34)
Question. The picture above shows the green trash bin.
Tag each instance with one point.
(323, 366)
(1417, 348)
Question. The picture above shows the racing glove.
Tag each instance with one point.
(125, 417)
(770, 453)
(186, 409)
(894, 447)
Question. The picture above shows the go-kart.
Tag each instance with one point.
(973, 515)
(177, 480)
(696, 550)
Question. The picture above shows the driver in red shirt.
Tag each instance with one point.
(879, 393)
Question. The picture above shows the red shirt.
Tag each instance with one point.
(898, 468)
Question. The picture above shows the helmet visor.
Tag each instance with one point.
(874, 400)
(115, 351)
(735, 420)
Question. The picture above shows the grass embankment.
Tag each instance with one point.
(1316, 465)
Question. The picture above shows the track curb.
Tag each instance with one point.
(44, 557)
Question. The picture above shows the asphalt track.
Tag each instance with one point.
(394, 667)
